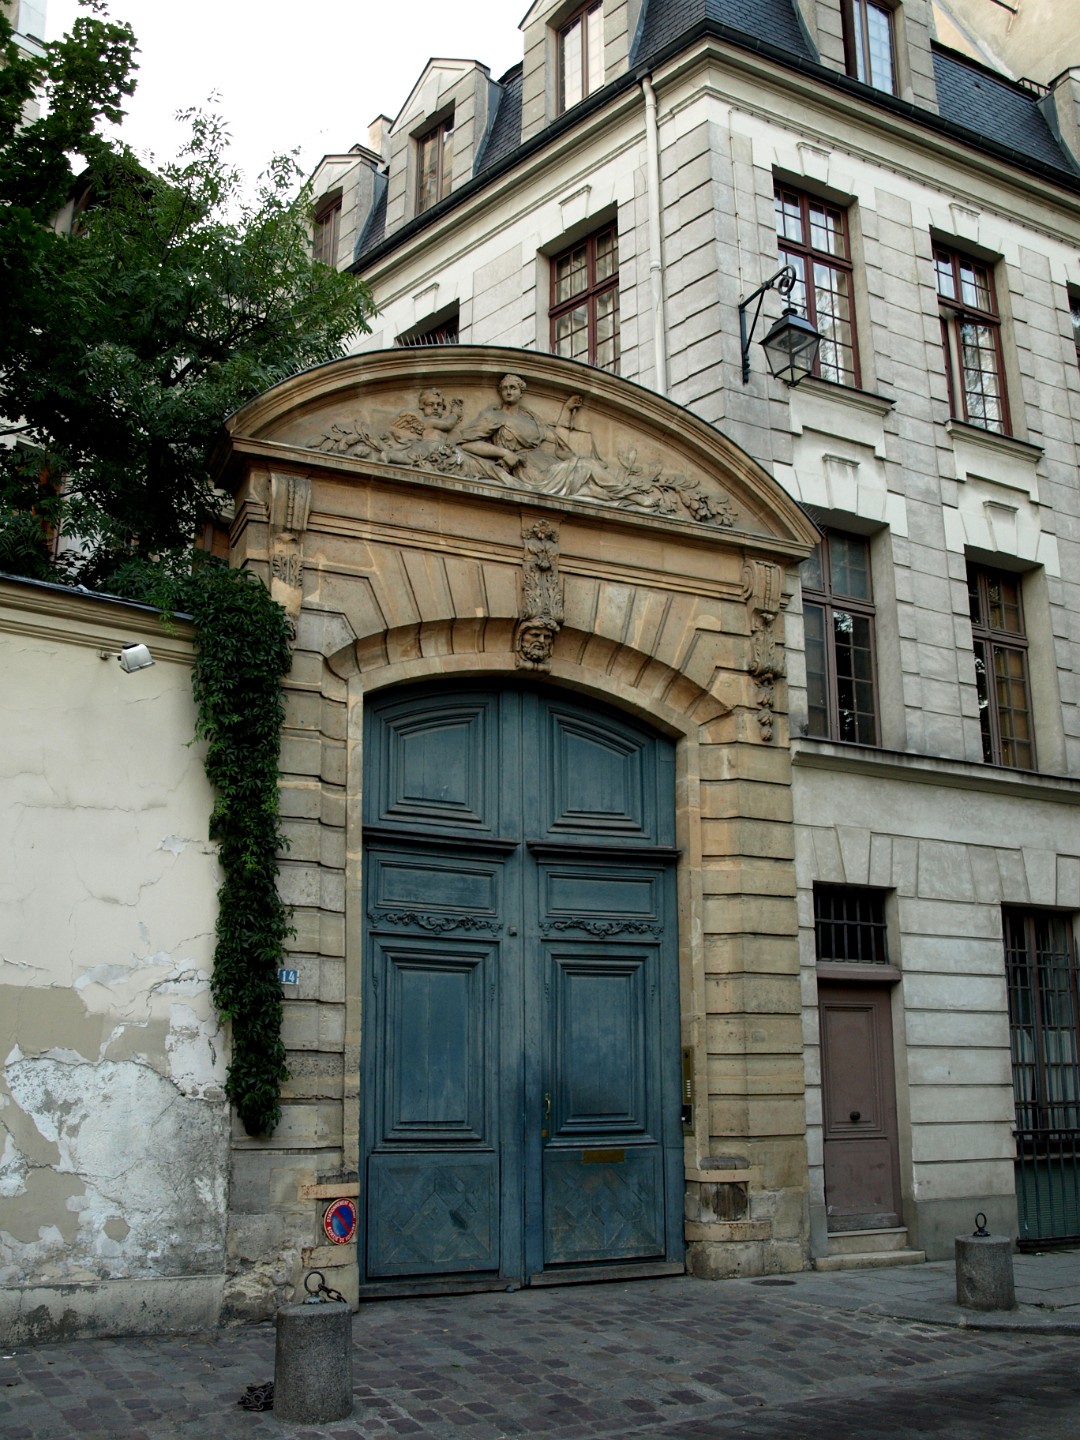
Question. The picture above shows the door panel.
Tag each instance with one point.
(520, 1082)
(432, 1214)
(597, 777)
(862, 1172)
(599, 1209)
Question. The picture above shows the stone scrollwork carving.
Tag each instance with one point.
(290, 505)
(509, 443)
(762, 588)
(541, 597)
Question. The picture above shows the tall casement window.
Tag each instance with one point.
(869, 47)
(1001, 673)
(838, 619)
(325, 238)
(434, 162)
(971, 336)
(849, 925)
(1074, 311)
(1044, 1028)
(813, 238)
(1044, 1015)
(585, 300)
(581, 55)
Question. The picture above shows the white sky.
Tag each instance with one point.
(308, 73)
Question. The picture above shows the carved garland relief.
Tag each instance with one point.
(762, 586)
(511, 444)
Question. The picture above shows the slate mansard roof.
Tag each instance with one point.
(976, 105)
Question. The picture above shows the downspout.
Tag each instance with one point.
(656, 258)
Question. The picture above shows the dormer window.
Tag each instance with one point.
(434, 163)
(869, 43)
(581, 55)
(325, 238)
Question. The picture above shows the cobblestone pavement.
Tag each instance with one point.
(679, 1359)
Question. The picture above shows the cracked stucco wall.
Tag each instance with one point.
(113, 1123)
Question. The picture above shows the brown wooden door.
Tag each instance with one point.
(862, 1170)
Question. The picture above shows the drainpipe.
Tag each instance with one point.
(656, 258)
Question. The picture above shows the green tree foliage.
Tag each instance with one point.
(128, 338)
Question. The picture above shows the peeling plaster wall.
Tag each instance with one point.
(113, 1122)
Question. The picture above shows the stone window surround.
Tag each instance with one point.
(590, 295)
(1074, 314)
(995, 640)
(843, 264)
(829, 602)
(326, 228)
(856, 27)
(434, 131)
(434, 329)
(590, 17)
(953, 313)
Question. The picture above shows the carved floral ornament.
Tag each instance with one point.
(762, 588)
(514, 444)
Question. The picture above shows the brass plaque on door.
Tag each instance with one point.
(603, 1157)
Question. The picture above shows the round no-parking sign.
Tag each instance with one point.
(339, 1222)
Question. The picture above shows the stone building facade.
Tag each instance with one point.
(620, 215)
(680, 772)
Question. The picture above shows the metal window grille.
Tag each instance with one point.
(1044, 1025)
(849, 925)
(445, 333)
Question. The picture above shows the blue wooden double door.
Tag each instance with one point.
(520, 1073)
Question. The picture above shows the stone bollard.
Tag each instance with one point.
(984, 1270)
(313, 1363)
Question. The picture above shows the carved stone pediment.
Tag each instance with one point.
(523, 445)
(519, 423)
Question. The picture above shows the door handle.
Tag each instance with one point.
(856, 1115)
(546, 1130)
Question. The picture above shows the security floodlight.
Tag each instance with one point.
(134, 657)
(791, 346)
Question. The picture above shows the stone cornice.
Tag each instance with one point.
(942, 773)
(98, 622)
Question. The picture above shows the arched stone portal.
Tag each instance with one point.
(423, 520)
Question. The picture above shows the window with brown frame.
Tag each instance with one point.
(585, 300)
(1001, 672)
(838, 623)
(971, 338)
(434, 163)
(581, 55)
(813, 239)
(325, 237)
(869, 43)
